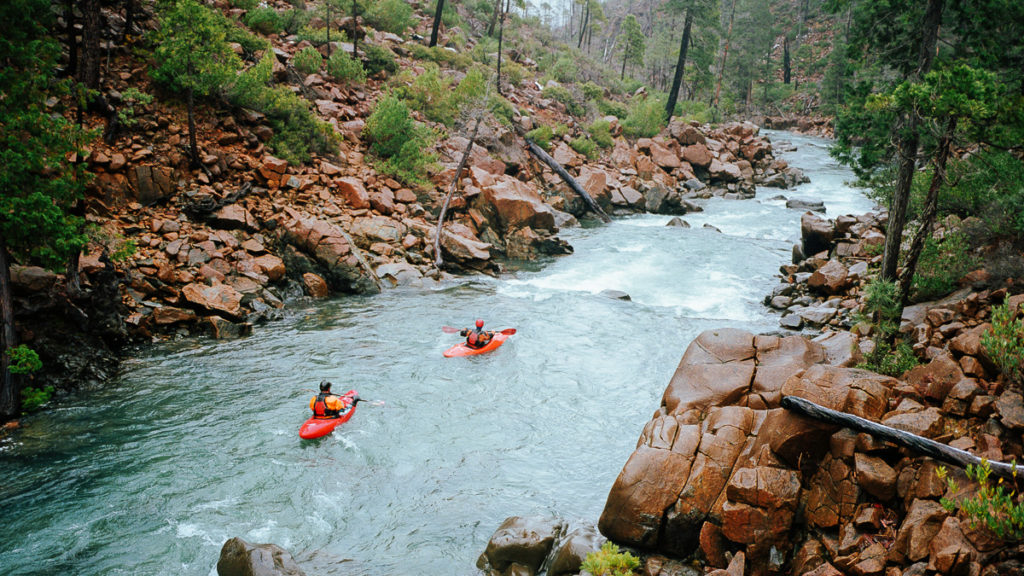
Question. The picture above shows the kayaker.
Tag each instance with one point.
(328, 404)
(477, 337)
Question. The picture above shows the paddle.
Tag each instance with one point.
(369, 402)
(450, 330)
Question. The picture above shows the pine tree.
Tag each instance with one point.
(193, 55)
(38, 182)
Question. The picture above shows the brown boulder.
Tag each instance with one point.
(875, 476)
(315, 286)
(240, 558)
(167, 315)
(664, 157)
(832, 278)
(234, 216)
(816, 234)
(330, 247)
(518, 204)
(935, 379)
(697, 155)
(30, 279)
(923, 521)
(352, 190)
(219, 299)
(271, 265)
(520, 541)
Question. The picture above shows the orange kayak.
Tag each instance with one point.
(462, 349)
(318, 427)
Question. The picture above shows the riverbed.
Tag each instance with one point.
(196, 441)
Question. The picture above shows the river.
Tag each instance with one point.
(196, 441)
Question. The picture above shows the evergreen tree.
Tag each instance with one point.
(38, 182)
(633, 43)
(193, 55)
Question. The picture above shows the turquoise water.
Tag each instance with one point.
(197, 440)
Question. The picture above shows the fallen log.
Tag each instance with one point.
(925, 446)
(567, 178)
(438, 260)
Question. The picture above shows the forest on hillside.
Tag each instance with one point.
(925, 100)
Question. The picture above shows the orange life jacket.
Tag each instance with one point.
(320, 409)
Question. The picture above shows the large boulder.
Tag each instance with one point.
(816, 233)
(219, 299)
(517, 204)
(328, 245)
(519, 546)
(240, 558)
(721, 461)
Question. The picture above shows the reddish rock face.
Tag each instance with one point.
(832, 278)
(353, 192)
(219, 299)
(316, 287)
(518, 205)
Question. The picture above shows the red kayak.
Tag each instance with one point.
(318, 427)
(462, 349)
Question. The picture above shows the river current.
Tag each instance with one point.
(196, 441)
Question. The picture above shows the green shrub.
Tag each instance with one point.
(564, 70)
(610, 562)
(646, 117)
(430, 93)
(32, 398)
(563, 95)
(592, 91)
(890, 356)
(264, 20)
(996, 506)
(244, 4)
(308, 60)
(612, 108)
(513, 72)
(1005, 342)
(687, 110)
(441, 55)
(318, 36)
(393, 16)
(502, 109)
(541, 136)
(249, 41)
(342, 66)
(294, 20)
(378, 59)
(584, 146)
(398, 141)
(23, 360)
(601, 133)
(942, 263)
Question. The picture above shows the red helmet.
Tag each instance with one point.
(479, 323)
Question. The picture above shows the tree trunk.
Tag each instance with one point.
(567, 178)
(907, 134)
(624, 56)
(437, 23)
(930, 209)
(914, 442)
(328, 10)
(501, 34)
(129, 20)
(785, 60)
(9, 400)
(438, 260)
(677, 79)
(494, 18)
(355, 22)
(583, 24)
(192, 144)
(88, 72)
(69, 20)
(725, 56)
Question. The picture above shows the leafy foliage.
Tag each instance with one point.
(192, 50)
(601, 133)
(646, 117)
(24, 360)
(393, 16)
(341, 66)
(609, 561)
(397, 141)
(1005, 342)
(541, 136)
(563, 95)
(264, 20)
(308, 60)
(378, 59)
(33, 398)
(890, 356)
(943, 262)
(584, 146)
(38, 182)
(994, 505)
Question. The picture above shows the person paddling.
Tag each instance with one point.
(477, 337)
(328, 405)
